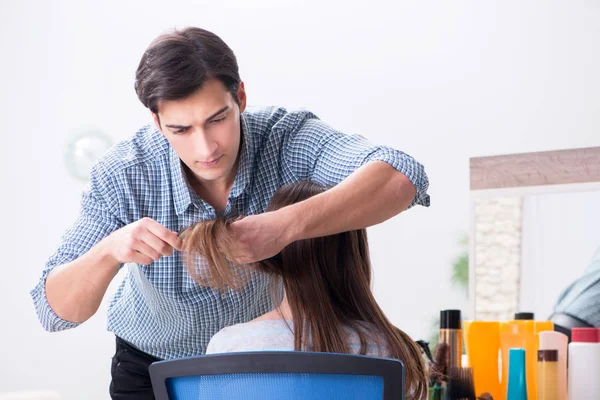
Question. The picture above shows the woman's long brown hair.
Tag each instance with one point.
(327, 282)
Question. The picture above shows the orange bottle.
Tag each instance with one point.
(482, 341)
(522, 334)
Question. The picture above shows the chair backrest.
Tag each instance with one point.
(278, 375)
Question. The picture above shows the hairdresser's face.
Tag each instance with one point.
(204, 130)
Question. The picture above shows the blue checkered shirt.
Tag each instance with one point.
(582, 298)
(159, 308)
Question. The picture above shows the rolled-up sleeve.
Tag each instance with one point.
(582, 298)
(92, 225)
(317, 152)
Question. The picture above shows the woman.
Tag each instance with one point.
(328, 305)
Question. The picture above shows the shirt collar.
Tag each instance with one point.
(181, 190)
(244, 173)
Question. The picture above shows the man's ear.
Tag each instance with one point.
(242, 97)
(156, 120)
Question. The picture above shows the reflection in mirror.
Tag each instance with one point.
(535, 225)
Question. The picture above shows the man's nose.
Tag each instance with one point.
(204, 146)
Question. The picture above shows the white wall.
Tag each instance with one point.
(561, 233)
(442, 80)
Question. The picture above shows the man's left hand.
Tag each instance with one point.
(258, 237)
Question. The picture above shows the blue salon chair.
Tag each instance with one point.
(278, 375)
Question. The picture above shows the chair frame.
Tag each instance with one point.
(391, 370)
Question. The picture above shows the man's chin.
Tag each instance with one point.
(209, 176)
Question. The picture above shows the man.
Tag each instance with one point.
(206, 156)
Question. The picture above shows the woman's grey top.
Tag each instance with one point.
(273, 335)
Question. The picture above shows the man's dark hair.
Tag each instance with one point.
(178, 63)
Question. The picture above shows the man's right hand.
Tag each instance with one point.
(142, 242)
(74, 290)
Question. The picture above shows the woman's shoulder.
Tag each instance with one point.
(253, 335)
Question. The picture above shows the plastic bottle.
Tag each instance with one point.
(550, 340)
(584, 364)
(547, 378)
(517, 384)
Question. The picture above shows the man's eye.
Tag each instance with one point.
(216, 121)
(179, 131)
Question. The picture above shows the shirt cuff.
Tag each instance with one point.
(48, 318)
(408, 166)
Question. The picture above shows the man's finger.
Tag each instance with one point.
(147, 250)
(156, 243)
(163, 233)
(240, 258)
(178, 242)
(142, 259)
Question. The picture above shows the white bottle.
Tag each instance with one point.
(584, 364)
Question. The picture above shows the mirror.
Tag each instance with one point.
(535, 225)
